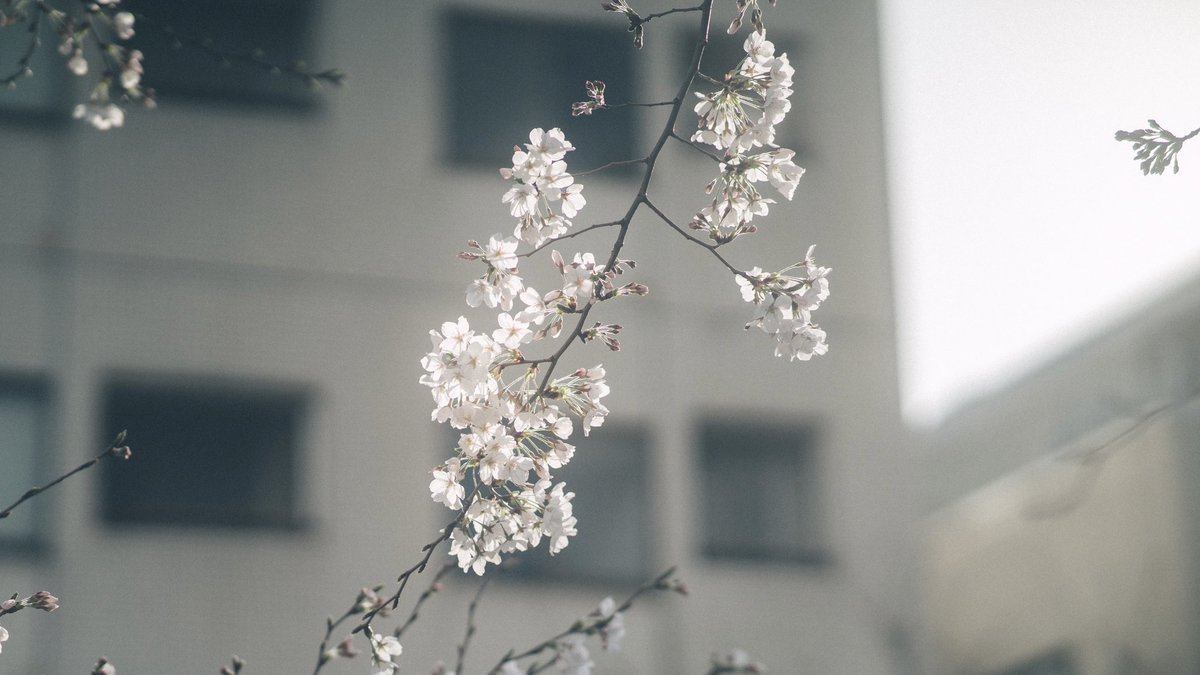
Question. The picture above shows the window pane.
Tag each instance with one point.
(42, 98)
(205, 454)
(507, 74)
(760, 492)
(23, 427)
(609, 478)
(281, 30)
(1057, 662)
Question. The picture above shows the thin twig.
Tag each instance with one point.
(419, 567)
(462, 648)
(394, 600)
(640, 198)
(677, 10)
(634, 104)
(569, 235)
(254, 57)
(612, 165)
(696, 146)
(429, 591)
(712, 248)
(23, 63)
(115, 449)
(659, 583)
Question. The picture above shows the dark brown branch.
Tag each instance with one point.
(699, 8)
(634, 104)
(394, 600)
(569, 235)
(640, 198)
(254, 57)
(712, 248)
(115, 449)
(696, 146)
(23, 64)
(462, 648)
(612, 165)
(662, 582)
(433, 588)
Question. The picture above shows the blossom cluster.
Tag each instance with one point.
(544, 197)
(121, 67)
(739, 117)
(785, 301)
(515, 430)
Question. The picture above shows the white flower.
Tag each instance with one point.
(3, 637)
(614, 631)
(548, 146)
(123, 25)
(131, 73)
(457, 335)
(572, 200)
(445, 486)
(557, 521)
(511, 668)
(512, 332)
(501, 253)
(573, 656)
(802, 343)
(103, 116)
(522, 199)
(758, 48)
(383, 648)
(783, 174)
(77, 64)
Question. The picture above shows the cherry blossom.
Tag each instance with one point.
(786, 300)
(544, 196)
(383, 648)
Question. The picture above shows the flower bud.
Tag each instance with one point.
(42, 600)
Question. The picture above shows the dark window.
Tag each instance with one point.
(760, 492)
(24, 427)
(205, 453)
(507, 74)
(174, 35)
(609, 476)
(44, 97)
(1056, 662)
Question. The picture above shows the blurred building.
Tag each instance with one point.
(245, 277)
(1062, 537)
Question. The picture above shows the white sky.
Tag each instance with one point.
(1020, 225)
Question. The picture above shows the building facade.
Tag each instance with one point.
(245, 278)
(1061, 530)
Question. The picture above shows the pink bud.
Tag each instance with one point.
(43, 600)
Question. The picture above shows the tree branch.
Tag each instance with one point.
(115, 449)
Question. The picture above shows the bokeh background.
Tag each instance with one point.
(992, 472)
